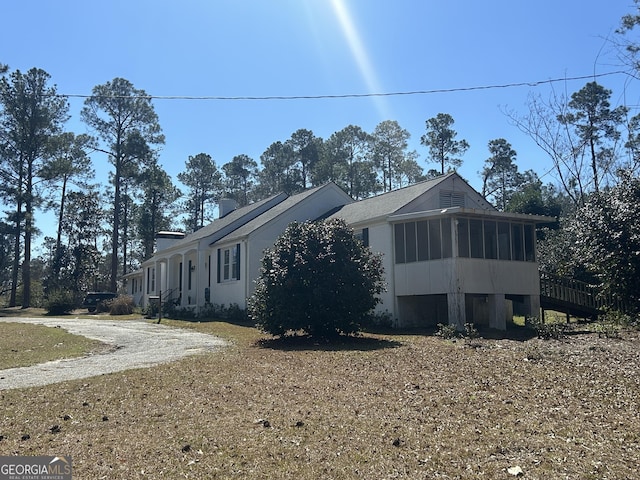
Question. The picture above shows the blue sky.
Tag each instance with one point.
(236, 48)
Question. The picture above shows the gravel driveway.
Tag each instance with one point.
(135, 344)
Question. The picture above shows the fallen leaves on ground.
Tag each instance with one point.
(403, 406)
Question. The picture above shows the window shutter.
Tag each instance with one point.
(218, 266)
(365, 237)
(238, 261)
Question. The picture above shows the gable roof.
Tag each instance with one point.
(223, 226)
(274, 213)
(387, 203)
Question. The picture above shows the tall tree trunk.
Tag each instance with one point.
(28, 231)
(351, 173)
(594, 161)
(125, 227)
(113, 285)
(61, 217)
(15, 267)
(57, 254)
(154, 214)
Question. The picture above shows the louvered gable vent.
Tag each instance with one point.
(451, 199)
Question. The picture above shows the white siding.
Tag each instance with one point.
(228, 292)
(468, 275)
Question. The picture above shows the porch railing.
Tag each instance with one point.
(558, 291)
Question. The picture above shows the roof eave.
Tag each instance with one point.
(473, 212)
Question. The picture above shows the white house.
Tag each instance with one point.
(449, 256)
(218, 263)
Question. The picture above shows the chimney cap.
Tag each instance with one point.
(173, 235)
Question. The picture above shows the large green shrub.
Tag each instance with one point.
(606, 240)
(60, 302)
(317, 278)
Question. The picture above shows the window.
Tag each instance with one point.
(229, 264)
(529, 244)
(517, 246)
(422, 241)
(235, 264)
(504, 241)
(447, 244)
(475, 238)
(422, 229)
(399, 237)
(490, 240)
(226, 264)
(463, 238)
(363, 236)
(410, 242)
(495, 240)
(435, 242)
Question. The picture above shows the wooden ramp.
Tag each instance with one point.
(570, 296)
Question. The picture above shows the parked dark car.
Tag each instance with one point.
(93, 299)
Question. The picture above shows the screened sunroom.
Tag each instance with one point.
(461, 265)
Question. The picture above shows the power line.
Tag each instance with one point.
(349, 95)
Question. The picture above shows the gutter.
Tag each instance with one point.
(473, 212)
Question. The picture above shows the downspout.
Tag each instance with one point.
(247, 285)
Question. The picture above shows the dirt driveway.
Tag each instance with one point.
(134, 344)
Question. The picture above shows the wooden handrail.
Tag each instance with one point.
(576, 292)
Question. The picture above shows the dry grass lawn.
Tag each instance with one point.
(378, 406)
(22, 345)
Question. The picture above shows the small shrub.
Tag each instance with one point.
(232, 313)
(610, 324)
(620, 319)
(180, 313)
(60, 302)
(235, 314)
(607, 330)
(447, 332)
(470, 331)
(121, 305)
(210, 312)
(151, 310)
(169, 310)
(547, 331)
